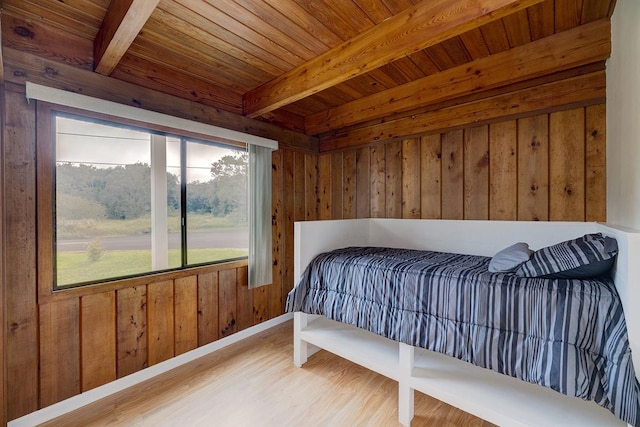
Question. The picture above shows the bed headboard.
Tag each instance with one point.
(476, 238)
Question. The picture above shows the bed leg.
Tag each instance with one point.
(405, 391)
(300, 347)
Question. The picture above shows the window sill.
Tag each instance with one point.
(115, 285)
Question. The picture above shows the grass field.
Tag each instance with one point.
(75, 267)
(92, 228)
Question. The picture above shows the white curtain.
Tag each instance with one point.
(260, 259)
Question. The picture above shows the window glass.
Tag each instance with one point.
(119, 197)
(217, 215)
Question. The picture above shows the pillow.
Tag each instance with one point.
(510, 258)
(588, 256)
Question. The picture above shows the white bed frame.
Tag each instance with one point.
(494, 397)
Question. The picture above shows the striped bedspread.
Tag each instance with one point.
(569, 335)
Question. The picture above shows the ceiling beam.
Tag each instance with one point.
(416, 28)
(562, 94)
(579, 46)
(120, 26)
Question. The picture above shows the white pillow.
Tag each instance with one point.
(510, 258)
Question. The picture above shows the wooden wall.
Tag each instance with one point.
(3, 300)
(548, 166)
(71, 341)
(545, 163)
(294, 176)
(95, 337)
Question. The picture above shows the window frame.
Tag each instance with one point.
(46, 114)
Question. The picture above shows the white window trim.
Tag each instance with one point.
(159, 214)
(96, 105)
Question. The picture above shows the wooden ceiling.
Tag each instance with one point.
(314, 66)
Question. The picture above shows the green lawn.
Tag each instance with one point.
(92, 228)
(75, 267)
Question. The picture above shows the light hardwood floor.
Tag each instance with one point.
(254, 383)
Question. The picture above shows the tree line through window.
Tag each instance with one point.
(129, 201)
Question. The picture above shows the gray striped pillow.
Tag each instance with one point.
(588, 256)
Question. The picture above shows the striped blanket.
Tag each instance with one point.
(568, 335)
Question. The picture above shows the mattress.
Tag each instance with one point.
(568, 335)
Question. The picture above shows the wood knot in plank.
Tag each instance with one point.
(568, 190)
(24, 32)
(51, 72)
(484, 161)
(594, 133)
(229, 327)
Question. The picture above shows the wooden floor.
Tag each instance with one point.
(254, 383)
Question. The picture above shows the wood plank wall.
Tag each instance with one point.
(547, 166)
(21, 339)
(76, 340)
(89, 340)
(544, 167)
(3, 300)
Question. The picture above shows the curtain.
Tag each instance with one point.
(260, 257)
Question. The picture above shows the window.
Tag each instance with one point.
(131, 201)
(181, 190)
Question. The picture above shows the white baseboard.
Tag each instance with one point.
(71, 404)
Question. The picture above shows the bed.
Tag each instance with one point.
(484, 392)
